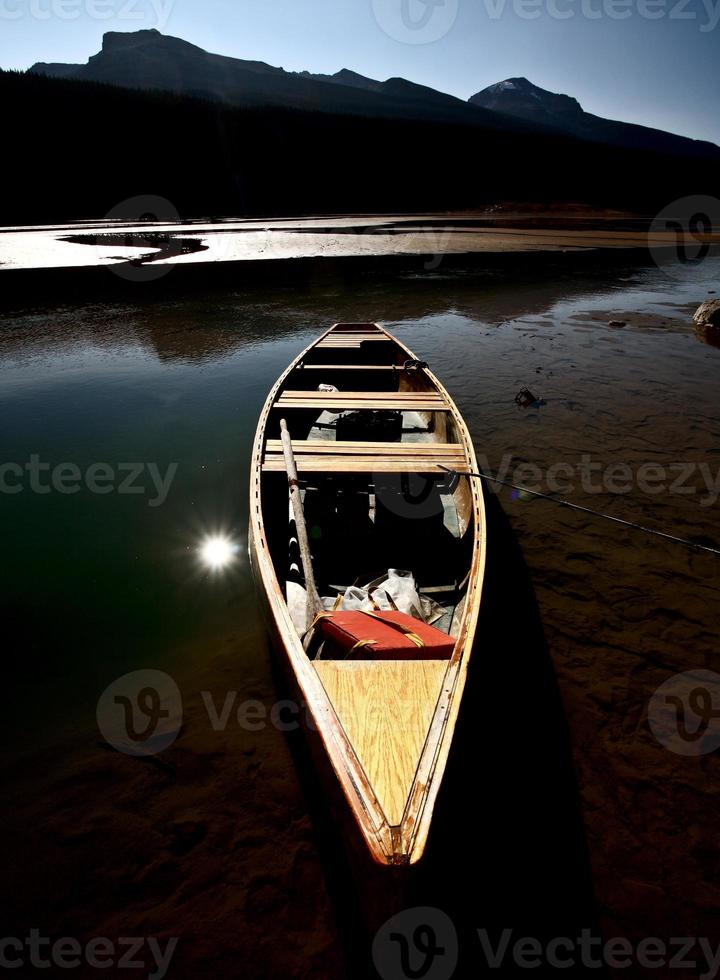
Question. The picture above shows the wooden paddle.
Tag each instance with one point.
(314, 604)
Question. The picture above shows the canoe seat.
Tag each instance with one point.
(401, 401)
(350, 340)
(349, 367)
(324, 456)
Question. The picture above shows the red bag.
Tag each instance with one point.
(383, 636)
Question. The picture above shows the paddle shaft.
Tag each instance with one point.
(314, 605)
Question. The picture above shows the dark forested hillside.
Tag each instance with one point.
(75, 149)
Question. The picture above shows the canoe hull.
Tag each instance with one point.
(331, 750)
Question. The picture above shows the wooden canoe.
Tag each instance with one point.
(384, 726)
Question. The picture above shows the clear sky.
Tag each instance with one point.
(655, 62)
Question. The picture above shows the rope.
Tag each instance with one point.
(588, 510)
(413, 637)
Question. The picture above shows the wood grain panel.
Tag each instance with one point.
(349, 367)
(367, 464)
(338, 400)
(386, 708)
(337, 447)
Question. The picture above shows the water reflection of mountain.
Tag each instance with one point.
(185, 334)
(205, 324)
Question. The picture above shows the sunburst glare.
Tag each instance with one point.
(217, 551)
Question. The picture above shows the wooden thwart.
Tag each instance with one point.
(350, 340)
(316, 447)
(319, 456)
(366, 464)
(320, 397)
(409, 401)
(326, 456)
(349, 367)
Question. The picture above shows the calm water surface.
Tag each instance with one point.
(96, 585)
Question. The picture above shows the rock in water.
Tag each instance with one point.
(708, 313)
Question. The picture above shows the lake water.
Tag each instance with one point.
(94, 585)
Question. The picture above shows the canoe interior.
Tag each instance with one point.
(363, 522)
(381, 462)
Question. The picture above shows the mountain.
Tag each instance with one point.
(346, 77)
(210, 158)
(394, 87)
(519, 98)
(151, 60)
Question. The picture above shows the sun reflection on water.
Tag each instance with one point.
(217, 551)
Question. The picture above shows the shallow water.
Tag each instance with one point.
(97, 584)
